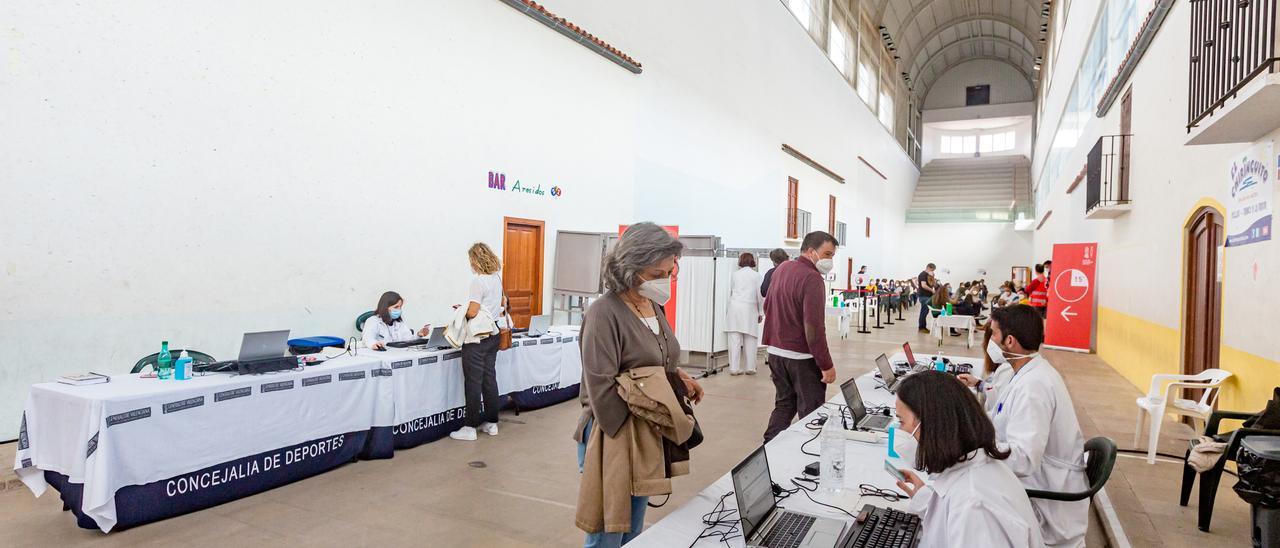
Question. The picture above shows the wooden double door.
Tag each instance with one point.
(522, 244)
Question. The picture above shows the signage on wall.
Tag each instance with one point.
(1071, 291)
(498, 181)
(1250, 203)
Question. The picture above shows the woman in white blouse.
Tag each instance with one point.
(972, 497)
(479, 359)
(746, 309)
(386, 325)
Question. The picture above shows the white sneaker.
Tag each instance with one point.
(490, 428)
(751, 371)
(466, 433)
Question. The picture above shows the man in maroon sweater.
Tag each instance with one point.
(796, 334)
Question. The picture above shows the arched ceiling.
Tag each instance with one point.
(934, 36)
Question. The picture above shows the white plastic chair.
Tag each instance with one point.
(1160, 399)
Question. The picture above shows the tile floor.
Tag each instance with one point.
(430, 496)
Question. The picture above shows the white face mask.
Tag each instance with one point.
(905, 444)
(998, 356)
(658, 291)
(825, 265)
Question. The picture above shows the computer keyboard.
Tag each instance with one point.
(789, 531)
(408, 343)
(886, 528)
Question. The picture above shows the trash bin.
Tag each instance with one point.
(1258, 464)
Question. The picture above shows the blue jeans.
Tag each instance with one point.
(924, 309)
(638, 505)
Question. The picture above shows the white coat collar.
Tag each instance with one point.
(944, 481)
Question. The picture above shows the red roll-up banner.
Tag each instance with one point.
(1072, 283)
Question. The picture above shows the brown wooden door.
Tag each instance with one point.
(522, 268)
(1126, 129)
(1203, 314)
(793, 201)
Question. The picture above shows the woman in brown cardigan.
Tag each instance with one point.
(624, 329)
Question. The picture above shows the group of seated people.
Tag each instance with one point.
(982, 453)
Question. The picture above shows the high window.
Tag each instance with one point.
(803, 10)
(988, 142)
(886, 110)
(838, 48)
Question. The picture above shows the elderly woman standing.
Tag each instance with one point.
(622, 330)
(746, 310)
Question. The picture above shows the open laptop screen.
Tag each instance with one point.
(886, 370)
(853, 399)
(753, 487)
(540, 323)
(911, 357)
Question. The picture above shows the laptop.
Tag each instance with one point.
(911, 364)
(766, 525)
(437, 340)
(861, 419)
(539, 325)
(263, 345)
(891, 380)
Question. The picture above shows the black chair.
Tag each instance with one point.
(196, 356)
(361, 319)
(1209, 479)
(1101, 454)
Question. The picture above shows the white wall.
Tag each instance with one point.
(1140, 264)
(193, 172)
(964, 249)
(1008, 85)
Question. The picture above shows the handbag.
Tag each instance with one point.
(504, 333)
(682, 395)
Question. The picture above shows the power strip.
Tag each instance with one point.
(866, 437)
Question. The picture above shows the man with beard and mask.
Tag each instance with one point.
(795, 332)
(1036, 422)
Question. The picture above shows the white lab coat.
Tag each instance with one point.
(377, 331)
(978, 502)
(991, 386)
(745, 303)
(1035, 420)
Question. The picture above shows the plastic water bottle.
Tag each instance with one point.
(832, 478)
(164, 362)
(182, 367)
(939, 363)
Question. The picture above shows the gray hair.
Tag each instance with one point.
(641, 246)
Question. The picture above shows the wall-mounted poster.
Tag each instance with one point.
(1249, 203)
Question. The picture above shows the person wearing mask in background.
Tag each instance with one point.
(924, 292)
(386, 325)
(626, 329)
(795, 331)
(479, 359)
(1036, 422)
(1048, 282)
(778, 256)
(1038, 292)
(972, 498)
(1007, 296)
(860, 280)
(746, 310)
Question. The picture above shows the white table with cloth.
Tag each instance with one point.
(864, 464)
(954, 321)
(162, 448)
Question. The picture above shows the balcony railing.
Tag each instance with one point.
(1108, 175)
(1232, 42)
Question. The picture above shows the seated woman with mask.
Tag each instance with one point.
(972, 498)
(386, 325)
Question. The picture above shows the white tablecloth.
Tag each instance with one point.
(864, 463)
(134, 431)
(954, 322)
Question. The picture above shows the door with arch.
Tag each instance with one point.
(1202, 311)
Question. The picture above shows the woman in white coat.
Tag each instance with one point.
(385, 325)
(746, 309)
(972, 497)
(1036, 421)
